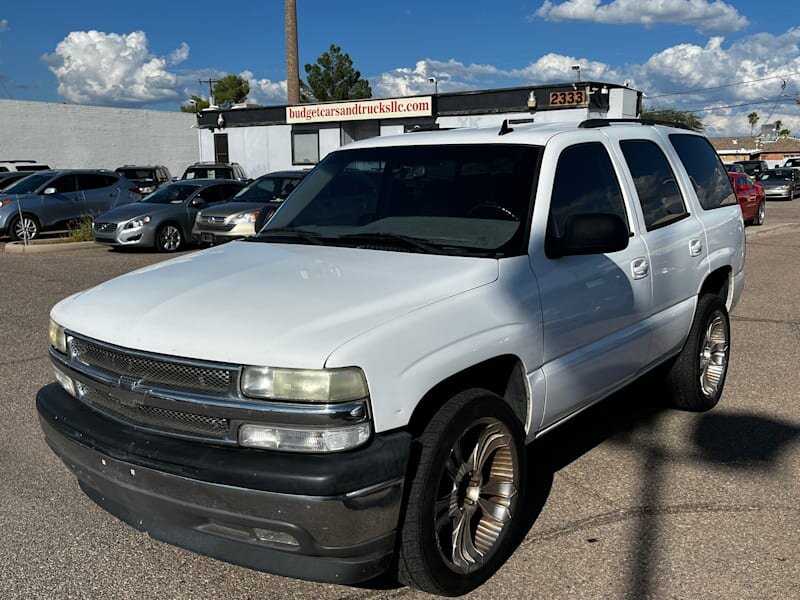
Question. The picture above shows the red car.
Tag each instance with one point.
(751, 198)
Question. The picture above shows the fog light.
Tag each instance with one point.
(288, 439)
(65, 381)
(275, 537)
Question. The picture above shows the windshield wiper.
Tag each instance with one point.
(384, 237)
(287, 232)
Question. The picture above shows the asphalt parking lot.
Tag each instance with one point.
(631, 500)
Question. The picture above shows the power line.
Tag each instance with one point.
(719, 87)
(738, 105)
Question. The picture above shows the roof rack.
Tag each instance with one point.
(594, 123)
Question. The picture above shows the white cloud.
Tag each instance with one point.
(704, 15)
(265, 91)
(93, 67)
(3, 24)
(180, 54)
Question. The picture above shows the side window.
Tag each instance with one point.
(585, 183)
(90, 181)
(228, 191)
(705, 170)
(64, 184)
(656, 187)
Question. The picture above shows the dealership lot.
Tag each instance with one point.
(630, 500)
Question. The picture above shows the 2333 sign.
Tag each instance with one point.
(568, 99)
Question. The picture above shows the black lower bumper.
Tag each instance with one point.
(174, 490)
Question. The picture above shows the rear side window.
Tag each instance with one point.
(656, 187)
(585, 183)
(90, 181)
(708, 176)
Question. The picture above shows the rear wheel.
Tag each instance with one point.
(169, 238)
(761, 213)
(465, 497)
(697, 376)
(25, 227)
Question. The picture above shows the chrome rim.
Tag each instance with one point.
(169, 238)
(477, 495)
(25, 228)
(714, 356)
(761, 212)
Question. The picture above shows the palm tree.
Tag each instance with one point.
(292, 69)
(753, 119)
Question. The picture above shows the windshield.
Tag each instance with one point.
(454, 199)
(28, 184)
(263, 189)
(172, 194)
(782, 175)
(137, 173)
(208, 173)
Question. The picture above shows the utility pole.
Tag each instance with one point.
(210, 83)
(292, 69)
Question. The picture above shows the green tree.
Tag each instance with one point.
(196, 104)
(684, 118)
(230, 90)
(334, 78)
(784, 133)
(752, 118)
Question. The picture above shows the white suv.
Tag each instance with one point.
(7, 166)
(418, 310)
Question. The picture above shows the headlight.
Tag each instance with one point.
(136, 223)
(57, 338)
(323, 385)
(147, 189)
(243, 217)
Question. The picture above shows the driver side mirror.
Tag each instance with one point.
(593, 233)
(49, 191)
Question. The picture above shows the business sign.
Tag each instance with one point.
(360, 110)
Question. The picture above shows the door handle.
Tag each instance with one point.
(695, 247)
(640, 268)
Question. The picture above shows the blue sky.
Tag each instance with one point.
(151, 54)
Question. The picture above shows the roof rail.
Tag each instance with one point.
(594, 123)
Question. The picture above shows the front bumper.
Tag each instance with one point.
(222, 234)
(325, 518)
(140, 236)
(777, 193)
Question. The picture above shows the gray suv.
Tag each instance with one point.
(52, 199)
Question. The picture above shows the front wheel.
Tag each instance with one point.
(696, 378)
(464, 502)
(25, 227)
(169, 238)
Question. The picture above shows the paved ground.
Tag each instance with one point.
(632, 501)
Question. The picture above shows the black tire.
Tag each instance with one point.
(30, 224)
(761, 211)
(445, 493)
(694, 380)
(169, 238)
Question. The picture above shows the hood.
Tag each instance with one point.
(770, 183)
(266, 304)
(126, 212)
(227, 209)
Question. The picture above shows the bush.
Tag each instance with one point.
(80, 230)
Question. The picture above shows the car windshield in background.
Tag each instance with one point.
(214, 173)
(783, 175)
(137, 173)
(456, 200)
(172, 194)
(261, 190)
(29, 184)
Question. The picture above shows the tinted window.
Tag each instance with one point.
(262, 189)
(585, 183)
(64, 184)
(172, 194)
(217, 193)
(208, 173)
(655, 183)
(3, 170)
(136, 173)
(705, 170)
(37, 168)
(29, 184)
(91, 181)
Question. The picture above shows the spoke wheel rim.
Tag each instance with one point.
(477, 495)
(170, 238)
(25, 228)
(761, 213)
(714, 355)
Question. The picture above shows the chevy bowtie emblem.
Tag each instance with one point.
(127, 394)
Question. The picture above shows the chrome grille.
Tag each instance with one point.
(105, 227)
(212, 220)
(152, 371)
(156, 417)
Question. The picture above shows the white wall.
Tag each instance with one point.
(76, 136)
